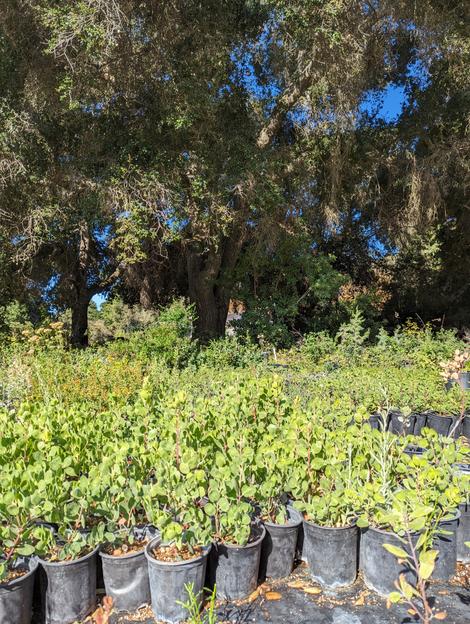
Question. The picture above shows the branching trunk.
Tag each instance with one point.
(86, 282)
(79, 334)
(209, 280)
(210, 300)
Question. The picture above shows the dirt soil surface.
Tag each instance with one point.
(298, 600)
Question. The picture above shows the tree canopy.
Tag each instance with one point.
(224, 150)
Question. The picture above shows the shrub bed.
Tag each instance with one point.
(212, 468)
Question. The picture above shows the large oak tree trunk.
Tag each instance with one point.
(81, 294)
(209, 281)
(79, 334)
(210, 300)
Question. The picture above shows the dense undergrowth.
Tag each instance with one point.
(340, 374)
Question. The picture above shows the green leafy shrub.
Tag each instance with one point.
(229, 352)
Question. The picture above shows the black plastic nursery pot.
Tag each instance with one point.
(400, 424)
(331, 553)
(377, 421)
(456, 429)
(68, 589)
(234, 569)
(126, 577)
(420, 423)
(279, 546)
(16, 597)
(441, 424)
(126, 580)
(412, 449)
(169, 580)
(380, 568)
(446, 560)
(466, 426)
(52, 526)
(463, 533)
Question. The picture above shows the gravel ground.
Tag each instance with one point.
(298, 600)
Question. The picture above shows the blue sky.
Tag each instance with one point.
(99, 300)
(386, 103)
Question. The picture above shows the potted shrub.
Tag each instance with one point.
(237, 536)
(330, 532)
(382, 459)
(431, 487)
(388, 525)
(282, 523)
(423, 507)
(236, 552)
(68, 572)
(177, 561)
(273, 465)
(17, 571)
(122, 556)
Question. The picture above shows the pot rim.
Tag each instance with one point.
(134, 553)
(387, 531)
(250, 544)
(54, 564)
(131, 555)
(17, 581)
(454, 515)
(438, 415)
(330, 528)
(290, 524)
(173, 564)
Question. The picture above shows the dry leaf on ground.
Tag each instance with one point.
(272, 595)
(252, 597)
(296, 584)
(312, 590)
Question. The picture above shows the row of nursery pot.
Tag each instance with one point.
(413, 423)
(188, 471)
(210, 531)
(144, 566)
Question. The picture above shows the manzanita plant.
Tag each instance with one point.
(16, 543)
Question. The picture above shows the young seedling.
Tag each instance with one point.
(415, 596)
(192, 605)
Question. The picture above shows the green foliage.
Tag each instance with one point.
(293, 285)
(115, 319)
(229, 352)
(168, 340)
(14, 318)
(170, 455)
(332, 492)
(352, 336)
(217, 162)
(317, 346)
(193, 607)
